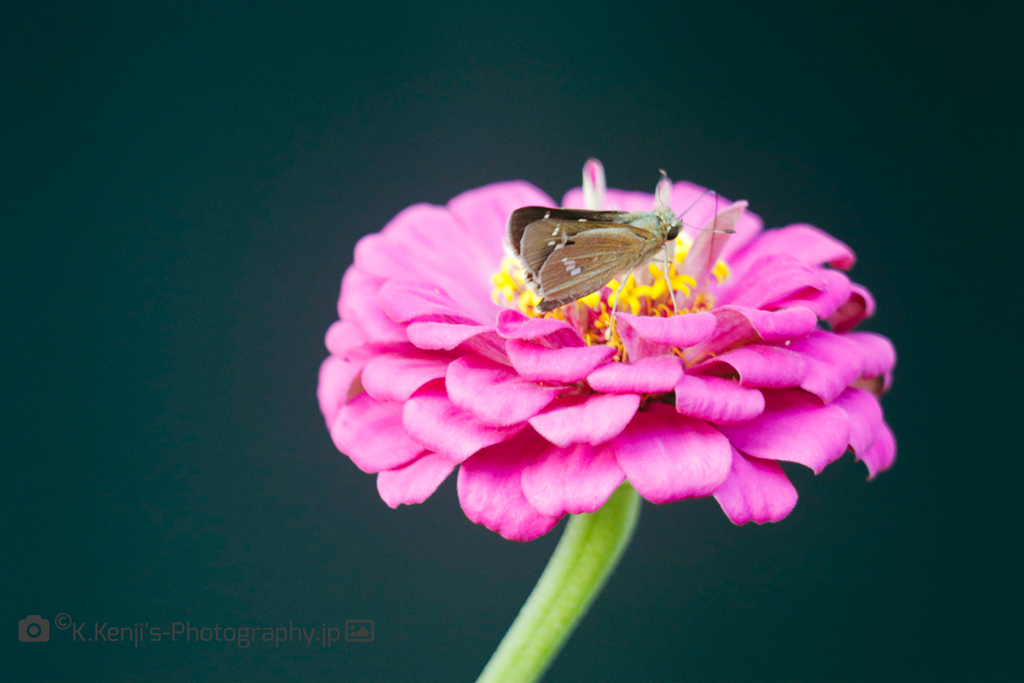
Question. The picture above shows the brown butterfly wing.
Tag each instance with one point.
(587, 263)
(521, 218)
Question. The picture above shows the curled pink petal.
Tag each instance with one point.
(414, 482)
(879, 353)
(396, 376)
(865, 418)
(757, 366)
(436, 423)
(678, 330)
(572, 480)
(667, 456)
(653, 375)
(447, 336)
(332, 389)
(555, 333)
(755, 491)
(794, 427)
(495, 393)
(586, 419)
(738, 324)
(491, 492)
(718, 400)
(823, 302)
(857, 307)
(543, 364)
(343, 336)
(370, 432)
(882, 453)
(833, 363)
(594, 185)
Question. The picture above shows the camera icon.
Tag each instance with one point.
(33, 629)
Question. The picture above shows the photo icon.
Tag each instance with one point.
(359, 631)
(33, 629)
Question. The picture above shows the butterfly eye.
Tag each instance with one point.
(673, 231)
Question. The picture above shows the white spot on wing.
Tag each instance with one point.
(575, 271)
(583, 220)
(547, 215)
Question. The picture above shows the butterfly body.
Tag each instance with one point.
(570, 253)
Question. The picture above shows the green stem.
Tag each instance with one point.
(585, 557)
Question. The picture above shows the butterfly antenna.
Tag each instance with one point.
(702, 195)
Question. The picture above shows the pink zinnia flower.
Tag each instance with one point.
(439, 361)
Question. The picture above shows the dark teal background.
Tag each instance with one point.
(181, 189)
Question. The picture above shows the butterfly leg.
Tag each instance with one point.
(611, 325)
(664, 274)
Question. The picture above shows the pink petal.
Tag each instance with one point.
(833, 362)
(668, 457)
(336, 377)
(494, 393)
(445, 336)
(804, 242)
(860, 305)
(879, 353)
(865, 418)
(823, 302)
(339, 377)
(396, 376)
(739, 324)
(572, 480)
(370, 432)
(439, 425)
(708, 246)
(769, 279)
(358, 304)
(882, 453)
(543, 364)
(419, 301)
(757, 366)
(343, 336)
(755, 491)
(415, 482)
(794, 427)
(426, 243)
(491, 492)
(653, 375)
(555, 333)
(484, 211)
(592, 419)
(677, 331)
(722, 401)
